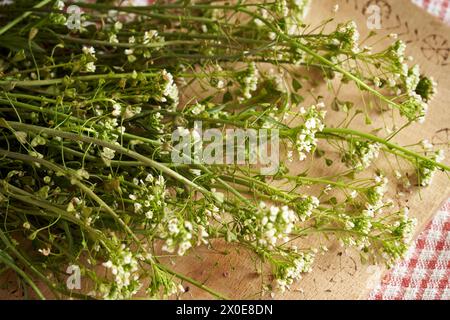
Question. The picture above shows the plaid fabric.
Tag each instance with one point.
(439, 8)
(425, 272)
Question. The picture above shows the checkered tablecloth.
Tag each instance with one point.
(425, 272)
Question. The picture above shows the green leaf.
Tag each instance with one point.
(227, 97)
(16, 43)
(333, 200)
(296, 84)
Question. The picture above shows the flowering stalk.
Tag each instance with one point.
(88, 118)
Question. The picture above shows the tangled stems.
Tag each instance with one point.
(7, 261)
(23, 16)
(328, 132)
(243, 8)
(132, 154)
(87, 120)
(39, 83)
(66, 216)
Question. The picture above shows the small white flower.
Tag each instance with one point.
(88, 50)
(195, 172)
(21, 136)
(59, 5)
(427, 145)
(118, 26)
(393, 36)
(197, 109)
(82, 174)
(117, 110)
(107, 155)
(90, 67)
(113, 38)
(45, 251)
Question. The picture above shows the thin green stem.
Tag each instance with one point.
(192, 281)
(20, 272)
(48, 82)
(389, 145)
(22, 16)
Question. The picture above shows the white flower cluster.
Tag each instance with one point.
(124, 267)
(406, 227)
(361, 154)
(418, 89)
(400, 235)
(197, 108)
(359, 228)
(414, 108)
(149, 37)
(294, 15)
(287, 275)
(176, 230)
(138, 46)
(412, 80)
(270, 225)
(265, 15)
(375, 195)
(397, 54)
(299, 8)
(112, 129)
(427, 169)
(170, 90)
(313, 123)
(89, 57)
(149, 197)
(180, 233)
(107, 154)
(249, 80)
(347, 37)
(305, 206)
(291, 12)
(416, 105)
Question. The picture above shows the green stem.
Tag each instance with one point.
(127, 45)
(38, 83)
(78, 137)
(322, 59)
(389, 145)
(192, 281)
(20, 272)
(64, 116)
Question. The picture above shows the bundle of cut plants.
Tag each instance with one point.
(132, 136)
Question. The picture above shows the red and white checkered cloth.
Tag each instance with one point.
(425, 272)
